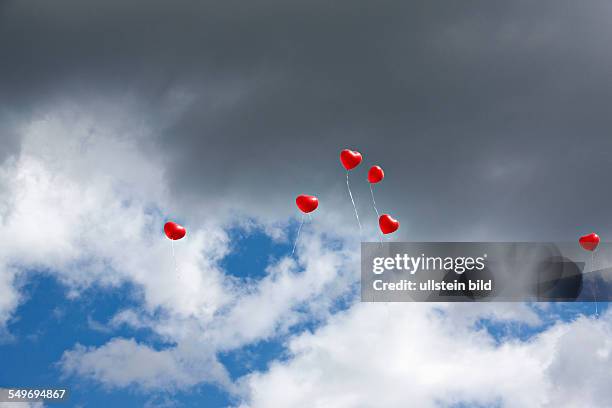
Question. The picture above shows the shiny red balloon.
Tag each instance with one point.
(174, 231)
(350, 158)
(307, 203)
(388, 224)
(375, 174)
(589, 242)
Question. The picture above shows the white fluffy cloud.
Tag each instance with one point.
(377, 355)
(83, 200)
(124, 362)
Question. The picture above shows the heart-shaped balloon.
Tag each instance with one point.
(589, 241)
(375, 174)
(388, 224)
(307, 203)
(350, 158)
(174, 231)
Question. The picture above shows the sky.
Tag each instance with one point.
(489, 118)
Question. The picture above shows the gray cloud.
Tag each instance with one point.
(489, 118)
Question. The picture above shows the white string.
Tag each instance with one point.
(594, 283)
(353, 201)
(174, 257)
(377, 214)
(374, 201)
(298, 235)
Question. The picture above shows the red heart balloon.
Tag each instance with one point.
(589, 241)
(388, 224)
(307, 203)
(174, 231)
(350, 159)
(375, 174)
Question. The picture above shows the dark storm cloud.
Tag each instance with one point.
(490, 118)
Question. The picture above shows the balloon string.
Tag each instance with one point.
(298, 235)
(594, 285)
(377, 214)
(374, 201)
(174, 257)
(353, 201)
